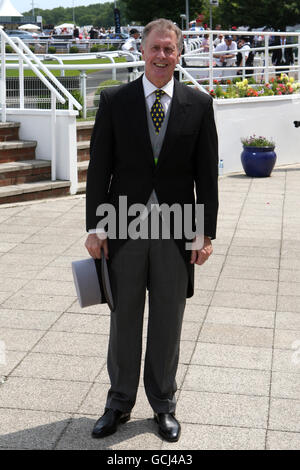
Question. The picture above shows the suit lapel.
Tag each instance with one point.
(141, 130)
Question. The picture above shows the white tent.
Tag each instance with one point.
(29, 27)
(7, 9)
(65, 25)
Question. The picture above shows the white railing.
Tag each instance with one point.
(193, 46)
(26, 55)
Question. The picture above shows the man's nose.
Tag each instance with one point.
(161, 53)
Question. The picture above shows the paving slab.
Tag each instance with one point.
(201, 437)
(74, 344)
(241, 316)
(278, 440)
(236, 335)
(19, 339)
(83, 323)
(224, 355)
(287, 339)
(223, 409)
(227, 380)
(244, 300)
(40, 302)
(27, 319)
(59, 367)
(27, 429)
(284, 415)
(42, 394)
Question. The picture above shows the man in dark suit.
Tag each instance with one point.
(154, 141)
(282, 56)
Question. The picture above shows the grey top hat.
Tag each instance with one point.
(92, 283)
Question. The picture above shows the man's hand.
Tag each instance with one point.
(94, 244)
(199, 256)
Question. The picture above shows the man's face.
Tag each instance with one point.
(161, 56)
(228, 42)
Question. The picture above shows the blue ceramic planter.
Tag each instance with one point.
(258, 161)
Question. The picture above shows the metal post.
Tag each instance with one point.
(83, 92)
(53, 136)
(210, 16)
(3, 80)
(187, 14)
(243, 64)
(21, 82)
(266, 58)
(211, 59)
(298, 59)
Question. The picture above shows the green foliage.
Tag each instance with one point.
(282, 85)
(8, 49)
(95, 48)
(78, 97)
(102, 86)
(255, 141)
(98, 14)
(51, 50)
(74, 49)
(253, 13)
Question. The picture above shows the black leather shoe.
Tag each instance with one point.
(108, 423)
(168, 426)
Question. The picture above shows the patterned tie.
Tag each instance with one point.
(157, 111)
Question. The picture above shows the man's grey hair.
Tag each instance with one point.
(163, 25)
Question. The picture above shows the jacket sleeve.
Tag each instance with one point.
(206, 171)
(100, 165)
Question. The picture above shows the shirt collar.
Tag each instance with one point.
(149, 88)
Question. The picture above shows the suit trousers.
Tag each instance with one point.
(158, 265)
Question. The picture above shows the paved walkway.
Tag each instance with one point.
(239, 373)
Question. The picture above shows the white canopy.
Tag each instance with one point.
(7, 9)
(65, 25)
(29, 27)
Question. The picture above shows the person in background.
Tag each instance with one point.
(244, 50)
(283, 55)
(131, 45)
(228, 58)
(219, 39)
(76, 32)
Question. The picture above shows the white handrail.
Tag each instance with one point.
(189, 76)
(46, 82)
(51, 76)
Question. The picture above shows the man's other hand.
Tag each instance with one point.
(94, 244)
(199, 256)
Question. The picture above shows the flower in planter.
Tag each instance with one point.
(255, 141)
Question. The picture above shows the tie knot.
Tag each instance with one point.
(159, 93)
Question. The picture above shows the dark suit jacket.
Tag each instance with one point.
(122, 163)
(277, 54)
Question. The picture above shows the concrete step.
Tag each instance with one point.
(25, 171)
(14, 150)
(9, 131)
(84, 130)
(83, 150)
(82, 170)
(81, 187)
(34, 190)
